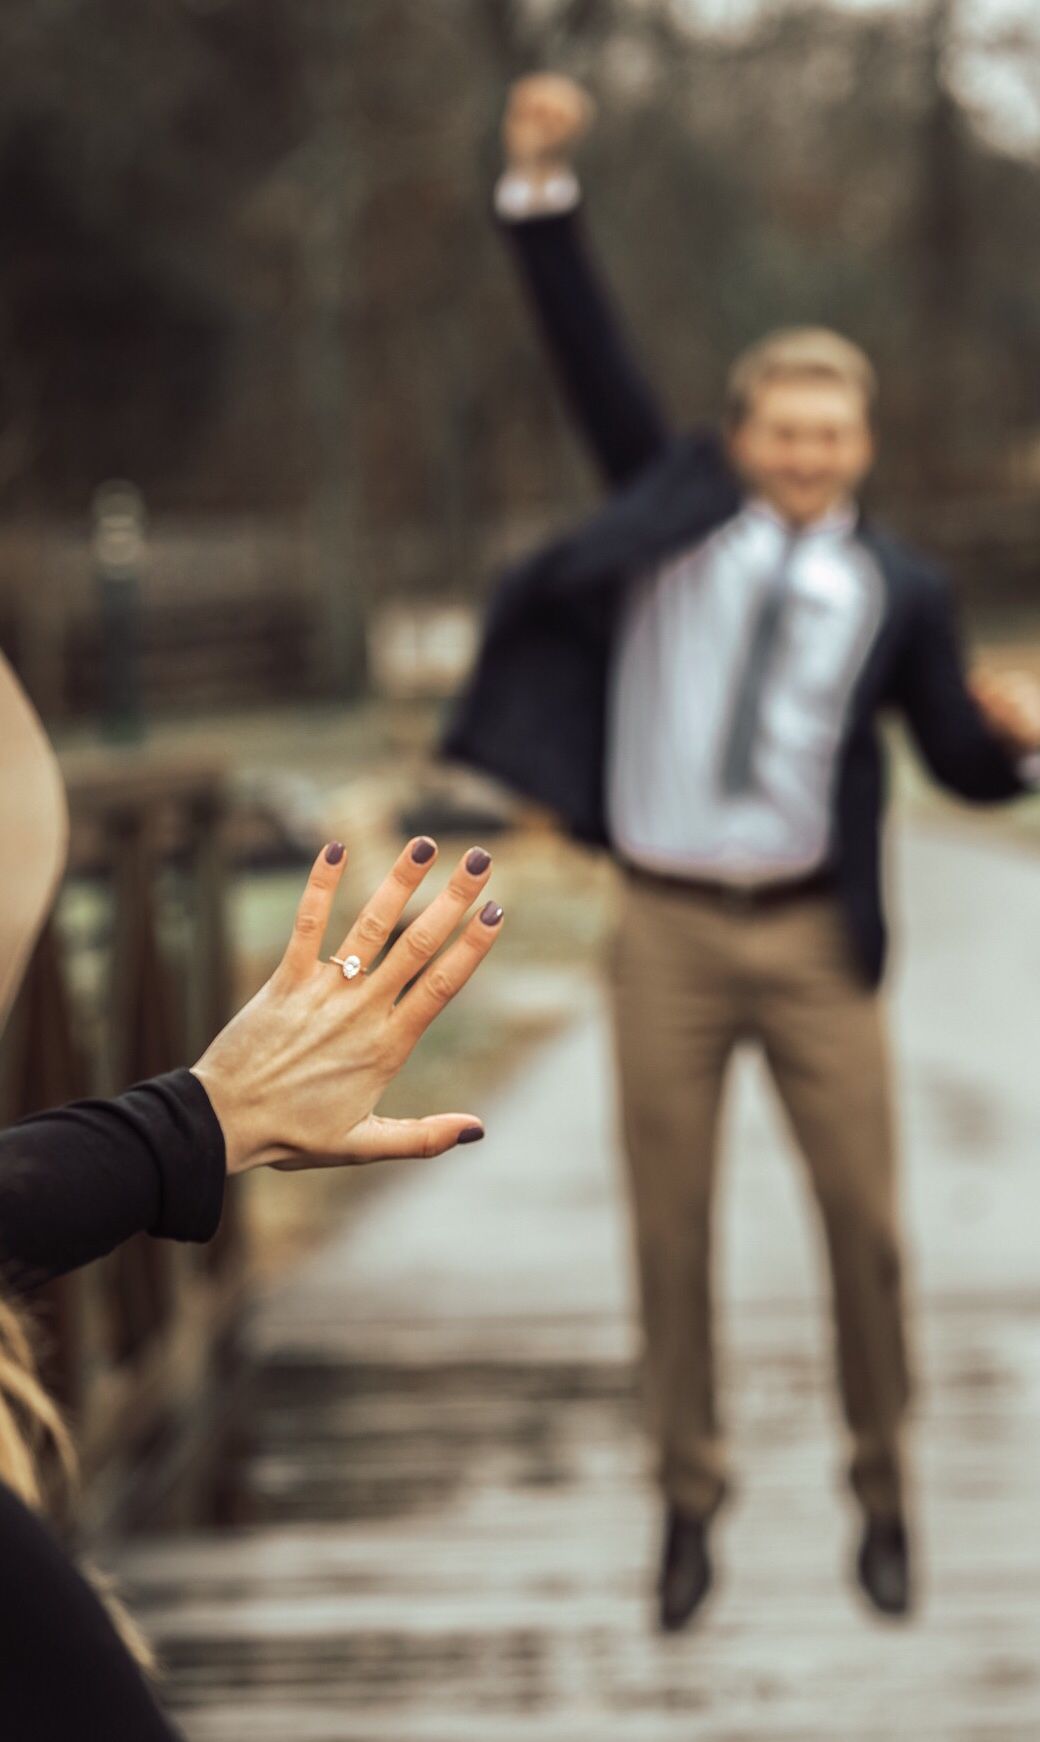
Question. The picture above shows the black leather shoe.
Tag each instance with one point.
(883, 1565)
(685, 1569)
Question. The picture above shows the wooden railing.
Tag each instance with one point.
(130, 978)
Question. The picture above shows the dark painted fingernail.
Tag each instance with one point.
(472, 1134)
(334, 852)
(423, 851)
(491, 914)
(478, 862)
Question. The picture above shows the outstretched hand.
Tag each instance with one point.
(296, 1076)
(546, 115)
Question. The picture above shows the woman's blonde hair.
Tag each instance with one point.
(33, 1435)
(38, 1459)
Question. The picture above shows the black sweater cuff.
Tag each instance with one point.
(189, 1152)
(77, 1181)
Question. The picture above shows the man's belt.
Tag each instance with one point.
(745, 897)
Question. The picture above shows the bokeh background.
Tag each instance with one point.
(249, 266)
(271, 419)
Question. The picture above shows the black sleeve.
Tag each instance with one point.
(64, 1671)
(947, 723)
(615, 406)
(77, 1181)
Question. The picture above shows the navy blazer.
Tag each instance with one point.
(534, 714)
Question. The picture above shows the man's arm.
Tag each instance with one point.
(980, 738)
(615, 407)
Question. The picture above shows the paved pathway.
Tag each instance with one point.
(454, 1535)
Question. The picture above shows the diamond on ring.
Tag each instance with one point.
(349, 966)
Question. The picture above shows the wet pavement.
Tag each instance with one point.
(452, 1535)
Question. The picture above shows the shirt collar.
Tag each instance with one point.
(836, 524)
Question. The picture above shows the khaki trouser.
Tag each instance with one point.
(693, 976)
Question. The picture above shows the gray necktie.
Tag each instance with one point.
(738, 754)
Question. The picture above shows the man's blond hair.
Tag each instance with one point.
(798, 354)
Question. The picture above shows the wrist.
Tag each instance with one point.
(239, 1115)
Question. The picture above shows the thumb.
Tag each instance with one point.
(377, 1139)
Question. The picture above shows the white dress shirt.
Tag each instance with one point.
(682, 647)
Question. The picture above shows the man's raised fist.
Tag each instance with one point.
(545, 116)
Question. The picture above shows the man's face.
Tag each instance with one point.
(805, 446)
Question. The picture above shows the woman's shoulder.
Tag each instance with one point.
(63, 1663)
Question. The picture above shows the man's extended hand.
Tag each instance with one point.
(545, 117)
(1010, 701)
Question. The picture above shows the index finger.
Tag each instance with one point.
(312, 914)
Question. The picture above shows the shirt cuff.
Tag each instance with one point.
(519, 196)
(188, 1146)
(1029, 770)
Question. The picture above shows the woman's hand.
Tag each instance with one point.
(295, 1077)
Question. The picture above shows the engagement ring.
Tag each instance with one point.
(349, 966)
